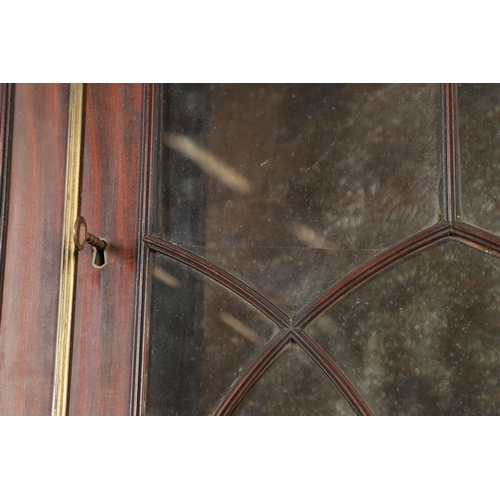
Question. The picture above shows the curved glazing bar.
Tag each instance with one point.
(424, 337)
(341, 196)
(263, 361)
(311, 179)
(467, 234)
(252, 373)
(476, 237)
(293, 385)
(333, 372)
(201, 337)
(411, 245)
(221, 276)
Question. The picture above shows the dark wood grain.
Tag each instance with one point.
(6, 122)
(33, 249)
(102, 359)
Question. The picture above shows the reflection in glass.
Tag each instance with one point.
(291, 186)
(479, 141)
(293, 385)
(201, 337)
(424, 337)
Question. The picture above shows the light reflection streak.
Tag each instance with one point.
(166, 278)
(212, 165)
(241, 328)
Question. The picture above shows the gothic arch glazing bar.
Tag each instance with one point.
(246, 381)
(333, 372)
(362, 273)
(223, 277)
(476, 237)
(338, 289)
(248, 378)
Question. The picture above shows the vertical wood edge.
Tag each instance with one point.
(148, 147)
(7, 91)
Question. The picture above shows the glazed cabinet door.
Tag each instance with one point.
(275, 249)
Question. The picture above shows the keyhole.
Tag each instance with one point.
(100, 257)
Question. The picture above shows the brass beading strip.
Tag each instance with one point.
(68, 254)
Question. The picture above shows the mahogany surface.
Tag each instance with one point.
(103, 338)
(33, 248)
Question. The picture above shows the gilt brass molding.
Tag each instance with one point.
(68, 253)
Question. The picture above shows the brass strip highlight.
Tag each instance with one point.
(68, 253)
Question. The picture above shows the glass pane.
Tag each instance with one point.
(201, 336)
(291, 186)
(293, 385)
(424, 337)
(479, 138)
